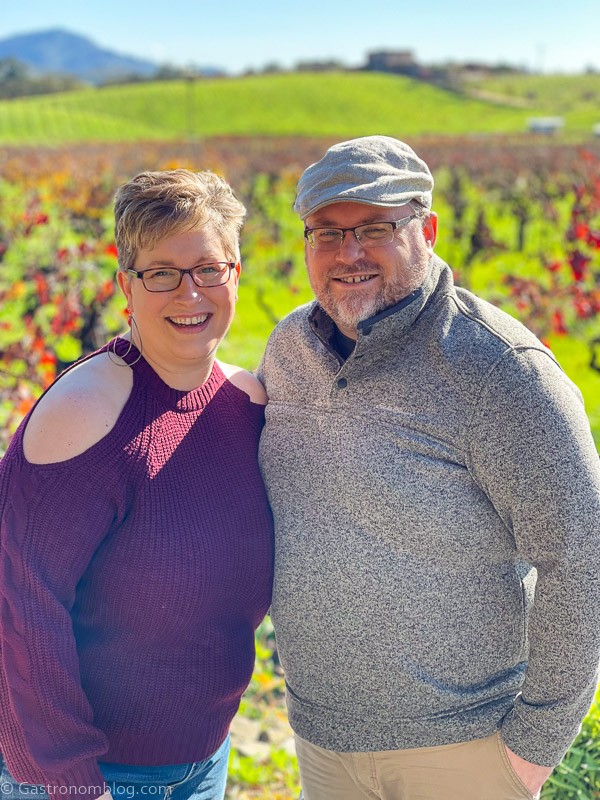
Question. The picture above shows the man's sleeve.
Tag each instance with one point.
(260, 372)
(532, 452)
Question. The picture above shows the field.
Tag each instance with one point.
(574, 95)
(340, 105)
(519, 224)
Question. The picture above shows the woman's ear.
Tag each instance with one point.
(124, 282)
(237, 270)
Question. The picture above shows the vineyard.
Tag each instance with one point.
(519, 222)
(340, 105)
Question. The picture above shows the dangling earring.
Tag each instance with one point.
(112, 347)
(134, 330)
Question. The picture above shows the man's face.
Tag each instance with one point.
(387, 272)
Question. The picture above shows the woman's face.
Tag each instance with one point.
(180, 330)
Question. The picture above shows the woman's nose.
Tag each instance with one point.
(187, 289)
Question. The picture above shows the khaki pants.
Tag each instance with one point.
(476, 770)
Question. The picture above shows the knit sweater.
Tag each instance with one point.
(133, 578)
(437, 524)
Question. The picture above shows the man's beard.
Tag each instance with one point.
(358, 306)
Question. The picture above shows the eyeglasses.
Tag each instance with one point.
(166, 279)
(375, 234)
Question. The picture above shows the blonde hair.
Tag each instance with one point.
(155, 205)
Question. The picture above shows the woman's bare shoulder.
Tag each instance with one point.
(245, 381)
(78, 410)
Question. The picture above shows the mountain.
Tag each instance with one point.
(60, 51)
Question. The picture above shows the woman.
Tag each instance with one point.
(136, 538)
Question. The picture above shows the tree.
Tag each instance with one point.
(16, 80)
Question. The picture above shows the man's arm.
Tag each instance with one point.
(532, 452)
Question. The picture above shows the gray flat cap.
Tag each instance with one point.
(375, 170)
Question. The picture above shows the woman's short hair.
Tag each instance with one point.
(155, 205)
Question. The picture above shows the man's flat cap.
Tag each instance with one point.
(375, 170)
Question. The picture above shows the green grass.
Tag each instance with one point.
(331, 104)
(574, 97)
(341, 104)
(555, 93)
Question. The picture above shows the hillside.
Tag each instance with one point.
(297, 104)
(59, 51)
(574, 97)
(553, 94)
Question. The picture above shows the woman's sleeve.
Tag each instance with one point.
(54, 517)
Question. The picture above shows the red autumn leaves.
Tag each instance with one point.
(572, 295)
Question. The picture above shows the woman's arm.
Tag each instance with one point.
(78, 410)
(55, 513)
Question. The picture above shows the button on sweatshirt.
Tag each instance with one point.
(133, 577)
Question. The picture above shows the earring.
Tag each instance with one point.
(134, 331)
(112, 350)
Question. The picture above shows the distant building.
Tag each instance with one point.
(400, 62)
(545, 125)
(449, 76)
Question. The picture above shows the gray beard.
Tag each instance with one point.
(356, 309)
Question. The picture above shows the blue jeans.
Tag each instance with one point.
(202, 780)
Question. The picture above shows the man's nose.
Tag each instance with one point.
(350, 248)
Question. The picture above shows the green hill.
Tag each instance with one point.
(311, 104)
(304, 104)
(576, 98)
(548, 94)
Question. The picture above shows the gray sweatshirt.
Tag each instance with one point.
(437, 510)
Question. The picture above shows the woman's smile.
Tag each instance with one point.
(193, 324)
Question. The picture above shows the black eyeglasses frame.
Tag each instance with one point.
(140, 274)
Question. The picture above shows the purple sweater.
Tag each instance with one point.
(133, 577)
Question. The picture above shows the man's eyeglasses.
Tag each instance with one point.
(375, 234)
(166, 279)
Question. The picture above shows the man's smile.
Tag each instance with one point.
(350, 279)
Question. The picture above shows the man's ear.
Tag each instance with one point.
(430, 230)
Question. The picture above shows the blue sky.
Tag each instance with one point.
(545, 35)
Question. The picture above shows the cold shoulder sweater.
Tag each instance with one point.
(133, 577)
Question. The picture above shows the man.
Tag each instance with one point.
(436, 494)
